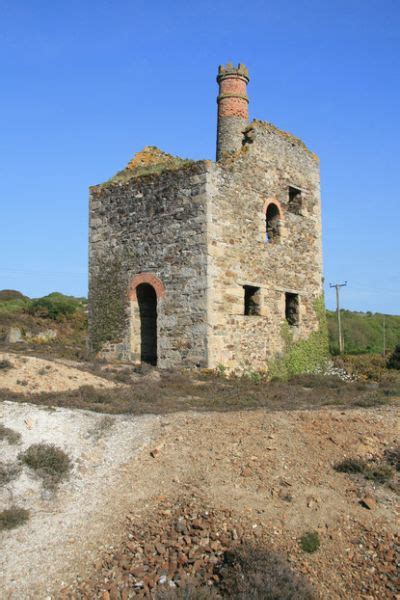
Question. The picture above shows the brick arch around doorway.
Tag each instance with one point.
(149, 278)
(145, 293)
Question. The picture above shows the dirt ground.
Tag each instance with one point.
(38, 375)
(266, 476)
(273, 474)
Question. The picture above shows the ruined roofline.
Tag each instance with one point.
(283, 134)
(149, 162)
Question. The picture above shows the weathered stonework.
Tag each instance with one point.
(191, 237)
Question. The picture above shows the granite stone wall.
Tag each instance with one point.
(240, 190)
(150, 229)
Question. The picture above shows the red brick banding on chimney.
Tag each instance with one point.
(233, 113)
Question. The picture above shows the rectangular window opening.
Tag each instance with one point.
(251, 300)
(292, 308)
(295, 200)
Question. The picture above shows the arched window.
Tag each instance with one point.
(272, 222)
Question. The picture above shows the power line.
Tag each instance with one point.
(40, 272)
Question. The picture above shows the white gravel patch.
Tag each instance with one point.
(66, 529)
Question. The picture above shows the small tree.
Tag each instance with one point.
(394, 359)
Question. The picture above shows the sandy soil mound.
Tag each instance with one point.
(29, 374)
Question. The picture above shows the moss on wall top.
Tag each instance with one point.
(149, 161)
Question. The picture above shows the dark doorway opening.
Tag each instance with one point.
(147, 300)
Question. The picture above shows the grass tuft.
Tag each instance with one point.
(8, 472)
(350, 465)
(5, 364)
(310, 542)
(13, 517)
(11, 436)
(254, 573)
(392, 456)
(379, 472)
(51, 463)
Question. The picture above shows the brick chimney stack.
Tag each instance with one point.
(233, 111)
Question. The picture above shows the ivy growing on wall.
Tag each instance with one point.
(304, 356)
(108, 303)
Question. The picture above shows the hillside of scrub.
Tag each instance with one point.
(53, 325)
(363, 332)
(65, 317)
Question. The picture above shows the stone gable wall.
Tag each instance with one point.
(156, 225)
(240, 191)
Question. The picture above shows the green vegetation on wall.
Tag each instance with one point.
(108, 303)
(304, 356)
(363, 332)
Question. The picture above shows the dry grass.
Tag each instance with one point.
(168, 392)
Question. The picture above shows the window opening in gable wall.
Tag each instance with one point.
(251, 300)
(295, 203)
(292, 308)
(272, 223)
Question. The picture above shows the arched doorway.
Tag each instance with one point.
(146, 294)
(147, 302)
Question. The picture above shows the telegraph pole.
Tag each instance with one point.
(338, 286)
(384, 335)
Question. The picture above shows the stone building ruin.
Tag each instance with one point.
(202, 263)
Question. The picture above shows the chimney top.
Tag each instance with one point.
(230, 71)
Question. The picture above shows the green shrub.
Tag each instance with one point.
(188, 592)
(350, 465)
(51, 463)
(10, 295)
(362, 332)
(5, 365)
(394, 359)
(252, 573)
(13, 517)
(310, 542)
(379, 473)
(304, 356)
(8, 472)
(374, 471)
(12, 302)
(54, 306)
(11, 436)
(370, 367)
(392, 456)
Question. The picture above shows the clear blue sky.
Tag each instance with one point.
(86, 84)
